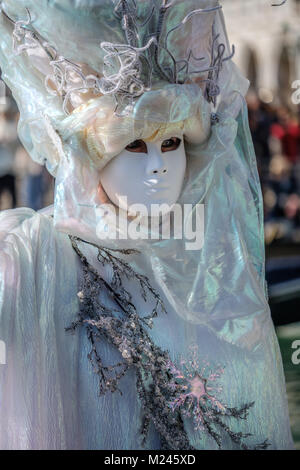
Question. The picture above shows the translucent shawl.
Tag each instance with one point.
(225, 279)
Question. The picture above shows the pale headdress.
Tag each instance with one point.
(119, 70)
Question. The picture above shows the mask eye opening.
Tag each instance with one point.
(137, 146)
(170, 145)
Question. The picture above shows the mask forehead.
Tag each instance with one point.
(166, 130)
(105, 134)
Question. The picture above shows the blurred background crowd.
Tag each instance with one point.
(276, 137)
(267, 41)
(23, 183)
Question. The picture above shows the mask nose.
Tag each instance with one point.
(156, 164)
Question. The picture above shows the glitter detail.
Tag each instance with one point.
(195, 387)
(127, 331)
(168, 393)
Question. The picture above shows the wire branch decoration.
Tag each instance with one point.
(146, 59)
(167, 392)
(129, 68)
(67, 77)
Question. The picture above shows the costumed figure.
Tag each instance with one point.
(117, 335)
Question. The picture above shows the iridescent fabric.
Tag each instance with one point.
(215, 297)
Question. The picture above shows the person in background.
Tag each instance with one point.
(261, 119)
(287, 132)
(8, 140)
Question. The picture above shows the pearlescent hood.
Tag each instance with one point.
(41, 78)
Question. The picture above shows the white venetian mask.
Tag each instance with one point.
(146, 173)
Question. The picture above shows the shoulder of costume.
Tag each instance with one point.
(26, 224)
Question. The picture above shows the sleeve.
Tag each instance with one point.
(37, 301)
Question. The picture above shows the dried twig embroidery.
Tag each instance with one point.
(167, 392)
